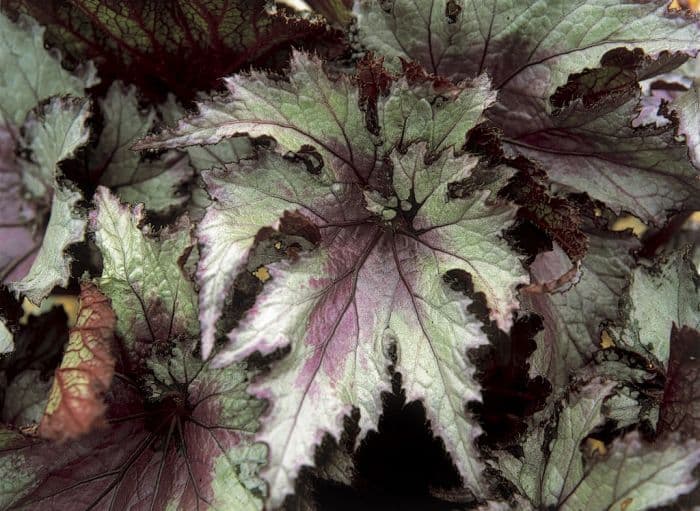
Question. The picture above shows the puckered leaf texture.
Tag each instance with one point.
(184, 47)
(177, 433)
(177, 436)
(553, 471)
(385, 230)
(142, 274)
(530, 49)
(48, 134)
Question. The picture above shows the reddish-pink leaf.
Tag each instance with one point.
(75, 403)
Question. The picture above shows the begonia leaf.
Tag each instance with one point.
(182, 49)
(75, 403)
(532, 49)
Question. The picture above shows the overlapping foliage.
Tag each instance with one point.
(407, 200)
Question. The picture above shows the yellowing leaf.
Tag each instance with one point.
(630, 222)
(606, 341)
(595, 446)
(70, 304)
(692, 5)
(262, 274)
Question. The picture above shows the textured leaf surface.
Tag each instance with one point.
(574, 316)
(6, 339)
(61, 131)
(551, 468)
(142, 275)
(553, 471)
(597, 150)
(75, 403)
(636, 476)
(361, 291)
(687, 105)
(205, 157)
(187, 446)
(52, 265)
(314, 111)
(543, 42)
(530, 50)
(680, 406)
(53, 135)
(184, 48)
(657, 298)
(25, 400)
(157, 183)
(30, 72)
(177, 433)
(383, 241)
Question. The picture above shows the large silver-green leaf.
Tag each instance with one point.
(383, 241)
(373, 283)
(530, 46)
(313, 110)
(530, 49)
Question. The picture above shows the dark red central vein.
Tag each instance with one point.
(190, 474)
(349, 223)
(162, 464)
